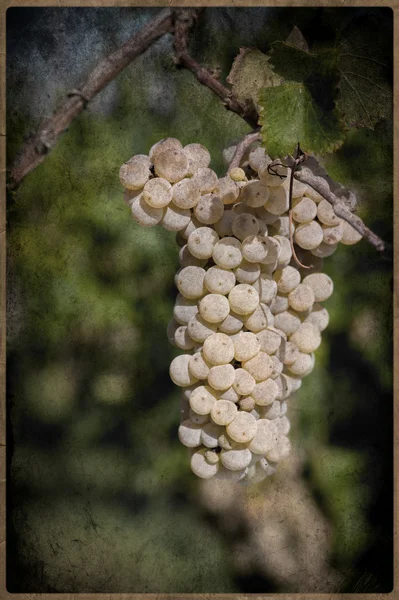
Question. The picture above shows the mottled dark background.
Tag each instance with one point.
(100, 495)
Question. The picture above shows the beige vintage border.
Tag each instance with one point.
(4, 4)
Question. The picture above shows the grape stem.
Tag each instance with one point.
(242, 147)
(299, 158)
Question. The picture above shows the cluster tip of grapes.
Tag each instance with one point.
(248, 315)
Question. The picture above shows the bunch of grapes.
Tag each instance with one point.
(248, 316)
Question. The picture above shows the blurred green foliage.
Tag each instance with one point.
(102, 498)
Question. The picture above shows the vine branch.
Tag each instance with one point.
(242, 147)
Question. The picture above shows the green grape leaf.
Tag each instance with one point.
(365, 95)
(290, 115)
(249, 74)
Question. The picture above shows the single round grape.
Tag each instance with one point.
(226, 442)
(309, 236)
(283, 425)
(223, 412)
(135, 172)
(227, 190)
(295, 383)
(282, 227)
(237, 174)
(307, 337)
(260, 366)
(243, 299)
(326, 214)
(269, 340)
(209, 209)
(201, 467)
(145, 215)
(157, 192)
(260, 319)
(218, 349)
(198, 419)
(198, 154)
(198, 366)
(221, 377)
(199, 329)
(247, 272)
(230, 394)
(211, 457)
(277, 366)
(265, 392)
(246, 346)
(255, 194)
(304, 210)
(319, 317)
(301, 298)
(299, 189)
(227, 253)
(202, 399)
(287, 321)
(184, 309)
(224, 227)
(242, 428)
(186, 193)
(258, 157)
(247, 404)
(324, 250)
(349, 235)
(232, 324)
(266, 437)
(245, 225)
(321, 285)
(210, 434)
(266, 288)
(189, 434)
(303, 365)
(332, 235)
(279, 304)
(285, 249)
(179, 373)
(171, 164)
(315, 196)
(254, 248)
(288, 352)
(219, 281)
(175, 218)
(278, 202)
(273, 173)
(265, 216)
(287, 279)
(280, 451)
(271, 412)
(244, 383)
(182, 338)
(201, 242)
(130, 195)
(186, 259)
(190, 282)
(236, 459)
(165, 144)
(206, 180)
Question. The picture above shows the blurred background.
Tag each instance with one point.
(100, 494)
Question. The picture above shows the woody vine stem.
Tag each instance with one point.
(179, 22)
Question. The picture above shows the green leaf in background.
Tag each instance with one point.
(289, 115)
(365, 88)
(250, 73)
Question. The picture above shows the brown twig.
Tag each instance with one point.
(36, 149)
(342, 211)
(242, 147)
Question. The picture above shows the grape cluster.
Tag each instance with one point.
(247, 316)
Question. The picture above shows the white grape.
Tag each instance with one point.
(288, 352)
(283, 425)
(266, 175)
(202, 241)
(218, 349)
(243, 298)
(179, 372)
(211, 457)
(182, 338)
(157, 192)
(226, 442)
(242, 428)
(186, 193)
(318, 316)
(135, 173)
(198, 366)
(303, 365)
(236, 459)
(240, 208)
(186, 259)
(237, 174)
(209, 209)
(265, 392)
(307, 338)
(172, 326)
(260, 319)
(304, 210)
(324, 250)
(301, 298)
(266, 288)
(282, 227)
(332, 235)
(266, 437)
(171, 164)
(199, 329)
(130, 195)
(223, 412)
(287, 321)
(326, 214)
(227, 190)
(309, 235)
(198, 419)
(287, 279)
(192, 225)
(349, 235)
(280, 451)
(224, 227)
(190, 282)
(247, 404)
(321, 285)
(254, 248)
(278, 202)
(219, 281)
(264, 215)
(210, 434)
(202, 399)
(201, 467)
(269, 340)
(184, 309)
(279, 304)
(254, 194)
(232, 324)
(247, 272)
(244, 383)
(299, 189)
(245, 225)
(227, 253)
(230, 394)
(165, 144)
(277, 366)
(246, 346)
(315, 196)
(285, 249)
(272, 412)
(189, 434)
(221, 377)
(198, 155)
(257, 157)
(175, 218)
(206, 180)
(145, 215)
(214, 308)
(260, 366)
